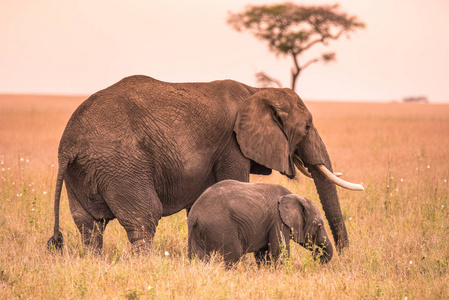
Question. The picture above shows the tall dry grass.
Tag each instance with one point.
(398, 227)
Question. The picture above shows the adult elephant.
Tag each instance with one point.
(142, 149)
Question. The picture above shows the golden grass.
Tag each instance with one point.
(398, 227)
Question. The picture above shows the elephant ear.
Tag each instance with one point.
(292, 213)
(259, 130)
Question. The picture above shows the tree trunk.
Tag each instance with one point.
(295, 71)
(295, 75)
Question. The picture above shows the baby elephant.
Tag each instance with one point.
(233, 218)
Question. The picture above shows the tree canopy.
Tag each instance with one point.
(290, 29)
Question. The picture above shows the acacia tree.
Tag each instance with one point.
(290, 29)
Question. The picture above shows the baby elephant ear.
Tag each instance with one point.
(292, 214)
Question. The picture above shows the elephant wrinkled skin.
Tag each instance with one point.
(142, 149)
(234, 218)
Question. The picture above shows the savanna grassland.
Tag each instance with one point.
(398, 227)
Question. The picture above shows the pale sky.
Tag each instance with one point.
(82, 46)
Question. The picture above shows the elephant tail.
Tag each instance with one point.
(57, 241)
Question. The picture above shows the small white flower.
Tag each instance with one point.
(149, 287)
(442, 206)
(52, 165)
(3, 169)
(32, 209)
(445, 180)
(45, 193)
(166, 253)
(21, 159)
(350, 218)
(402, 180)
(397, 190)
(28, 160)
(405, 298)
(411, 262)
(428, 167)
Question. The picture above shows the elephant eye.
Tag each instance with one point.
(307, 127)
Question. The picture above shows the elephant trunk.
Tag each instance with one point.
(313, 153)
(324, 251)
(331, 206)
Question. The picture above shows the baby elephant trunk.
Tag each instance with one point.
(324, 250)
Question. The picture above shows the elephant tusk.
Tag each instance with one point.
(300, 165)
(340, 182)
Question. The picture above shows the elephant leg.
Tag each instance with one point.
(230, 258)
(91, 229)
(138, 210)
(197, 249)
(92, 233)
(232, 251)
(262, 257)
(279, 243)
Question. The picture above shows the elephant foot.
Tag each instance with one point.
(140, 247)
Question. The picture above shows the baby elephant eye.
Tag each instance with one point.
(307, 127)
